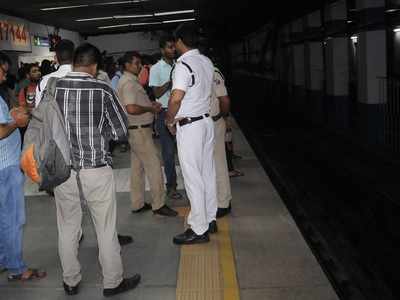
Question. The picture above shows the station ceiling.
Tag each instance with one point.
(228, 18)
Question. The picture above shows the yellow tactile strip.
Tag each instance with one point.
(207, 271)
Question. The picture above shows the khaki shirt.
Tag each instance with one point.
(131, 92)
(219, 90)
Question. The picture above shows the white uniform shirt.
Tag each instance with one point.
(196, 101)
(62, 71)
(219, 90)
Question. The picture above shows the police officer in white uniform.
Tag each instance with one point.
(189, 115)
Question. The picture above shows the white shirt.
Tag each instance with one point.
(62, 71)
(219, 90)
(197, 99)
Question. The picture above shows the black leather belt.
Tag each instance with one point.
(140, 126)
(217, 117)
(186, 121)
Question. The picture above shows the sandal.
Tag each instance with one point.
(29, 274)
(236, 173)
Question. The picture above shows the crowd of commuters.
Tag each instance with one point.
(182, 97)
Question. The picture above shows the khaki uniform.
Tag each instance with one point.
(144, 155)
(224, 194)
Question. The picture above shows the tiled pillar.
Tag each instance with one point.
(337, 68)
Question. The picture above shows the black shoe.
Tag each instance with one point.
(190, 237)
(124, 239)
(165, 211)
(71, 290)
(125, 285)
(212, 227)
(174, 194)
(221, 212)
(145, 207)
(81, 238)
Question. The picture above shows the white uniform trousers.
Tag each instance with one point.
(224, 194)
(195, 143)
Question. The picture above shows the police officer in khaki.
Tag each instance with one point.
(144, 155)
(220, 105)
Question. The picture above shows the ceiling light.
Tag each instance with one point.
(133, 16)
(128, 25)
(396, 29)
(167, 13)
(349, 21)
(181, 20)
(94, 19)
(64, 7)
(354, 38)
(95, 4)
(121, 2)
(391, 10)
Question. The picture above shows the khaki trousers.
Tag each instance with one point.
(224, 194)
(99, 191)
(145, 161)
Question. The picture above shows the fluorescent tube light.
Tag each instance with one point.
(168, 13)
(396, 29)
(121, 2)
(128, 25)
(354, 38)
(63, 7)
(180, 20)
(95, 4)
(94, 19)
(133, 16)
(392, 10)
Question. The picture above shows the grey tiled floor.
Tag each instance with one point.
(273, 262)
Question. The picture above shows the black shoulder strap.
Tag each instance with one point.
(190, 71)
(219, 72)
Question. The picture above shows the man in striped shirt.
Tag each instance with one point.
(93, 116)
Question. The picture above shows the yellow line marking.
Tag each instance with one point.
(230, 283)
(207, 271)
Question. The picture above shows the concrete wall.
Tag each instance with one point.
(39, 53)
(120, 43)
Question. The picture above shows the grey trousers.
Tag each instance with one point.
(99, 190)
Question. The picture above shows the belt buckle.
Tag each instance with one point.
(189, 120)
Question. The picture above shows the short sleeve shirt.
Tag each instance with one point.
(160, 73)
(196, 82)
(219, 90)
(131, 92)
(10, 147)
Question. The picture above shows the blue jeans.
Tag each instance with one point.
(167, 150)
(12, 219)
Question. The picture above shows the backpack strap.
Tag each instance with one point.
(51, 86)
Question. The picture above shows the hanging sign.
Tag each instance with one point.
(14, 34)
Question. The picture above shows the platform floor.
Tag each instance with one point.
(259, 252)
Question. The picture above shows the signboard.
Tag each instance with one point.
(41, 41)
(14, 34)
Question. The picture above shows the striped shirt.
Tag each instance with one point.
(93, 116)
